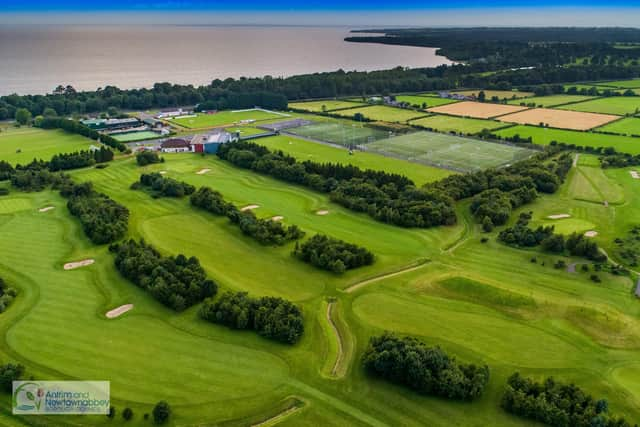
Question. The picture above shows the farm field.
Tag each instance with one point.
(314, 151)
(479, 110)
(442, 123)
(226, 118)
(626, 126)
(37, 143)
(330, 105)
(501, 94)
(623, 84)
(550, 101)
(482, 302)
(341, 133)
(383, 113)
(544, 136)
(462, 154)
(427, 101)
(559, 118)
(619, 105)
(600, 89)
(135, 136)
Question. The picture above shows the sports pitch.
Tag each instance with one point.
(329, 105)
(442, 123)
(559, 118)
(340, 133)
(619, 105)
(462, 154)
(226, 118)
(478, 110)
(135, 136)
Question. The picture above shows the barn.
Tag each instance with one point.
(209, 143)
(175, 145)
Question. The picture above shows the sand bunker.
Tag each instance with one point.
(118, 311)
(559, 216)
(277, 218)
(48, 208)
(202, 171)
(322, 213)
(250, 207)
(78, 264)
(591, 233)
(634, 174)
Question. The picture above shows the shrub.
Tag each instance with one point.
(127, 414)
(146, 157)
(161, 412)
(159, 186)
(332, 254)
(8, 374)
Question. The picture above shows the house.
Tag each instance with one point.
(209, 143)
(175, 145)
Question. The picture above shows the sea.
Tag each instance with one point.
(36, 59)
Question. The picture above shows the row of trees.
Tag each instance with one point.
(557, 404)
(177, 282)
(103, 219)
(147, 157)
(427, 370)
(390, 198)
(80, 129)
(79, 159)
(37, 179)
(576, 244)
(160, 186)
(618, 160)
(273, 318)
(265, 231)
(332, 254)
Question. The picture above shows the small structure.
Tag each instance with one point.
(209, 143)
(175, 145)
(167, 114)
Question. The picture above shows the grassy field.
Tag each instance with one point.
(449, 151)
(467, 126)
(306, 150)
(619, 105)
(590, 183)
(550, 101)
(600, 89)
(226, 118)
(424, 101)
(383, 113)
(43, 144)
(136, 136)
(341, 133)
(623, 84)
(544, 136)
(482, 302)
(329, 105)
(626, 126)
(501, 94)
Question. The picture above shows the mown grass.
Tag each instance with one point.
(383, 113)
(443, 123)
(626, 126)
(22, 145)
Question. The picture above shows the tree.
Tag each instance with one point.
(49, 112)
(8, 374)
(112, 412)
(482, 96)
(487, 224)
(23, 116)
(127, 414)
(161, 412)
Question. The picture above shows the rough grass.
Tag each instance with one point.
(442, 123)
(43, 144)
(619, 105)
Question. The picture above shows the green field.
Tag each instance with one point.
(442, 123)
(622, 84)
(544, 136)
(549, 101)
(449, 151)
(427, 101)
(482, 302)
(24, 144)
(501, 94)
(626, 126)
(329, 105)
(306, 150)
(619, 105)
(341, 133)
(135, 136)
(600, 89)
(383, 113)
(226, 118)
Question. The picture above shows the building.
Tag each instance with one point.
(175, 145)
(209, 143)
(111, 124)
(168, 114)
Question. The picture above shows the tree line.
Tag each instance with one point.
(177, 282)
(576, 244)
(617, 160)
(557, 404)
(73, 126)
(160, 186)
(103, 219)
(386, 197)
(333, 254)
(265, 231)
(427, 370)
(271, 317)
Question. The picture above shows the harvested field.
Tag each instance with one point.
(478, 110)
(78, 264)
(249, 208)
(559, 216)
(202, 171)
(559, 118)
(112, 314)
(46, 209)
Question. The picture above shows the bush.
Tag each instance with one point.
(112, 412)
(427, 370)
(146, 157)
(332, 254)
(160, 186)
(127, 414)
(161, 412)
(4, 191)
(8, 374)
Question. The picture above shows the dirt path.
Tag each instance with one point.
(366, 282)
(277, 418)
(340, 354)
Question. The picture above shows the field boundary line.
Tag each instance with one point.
(411, 267)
